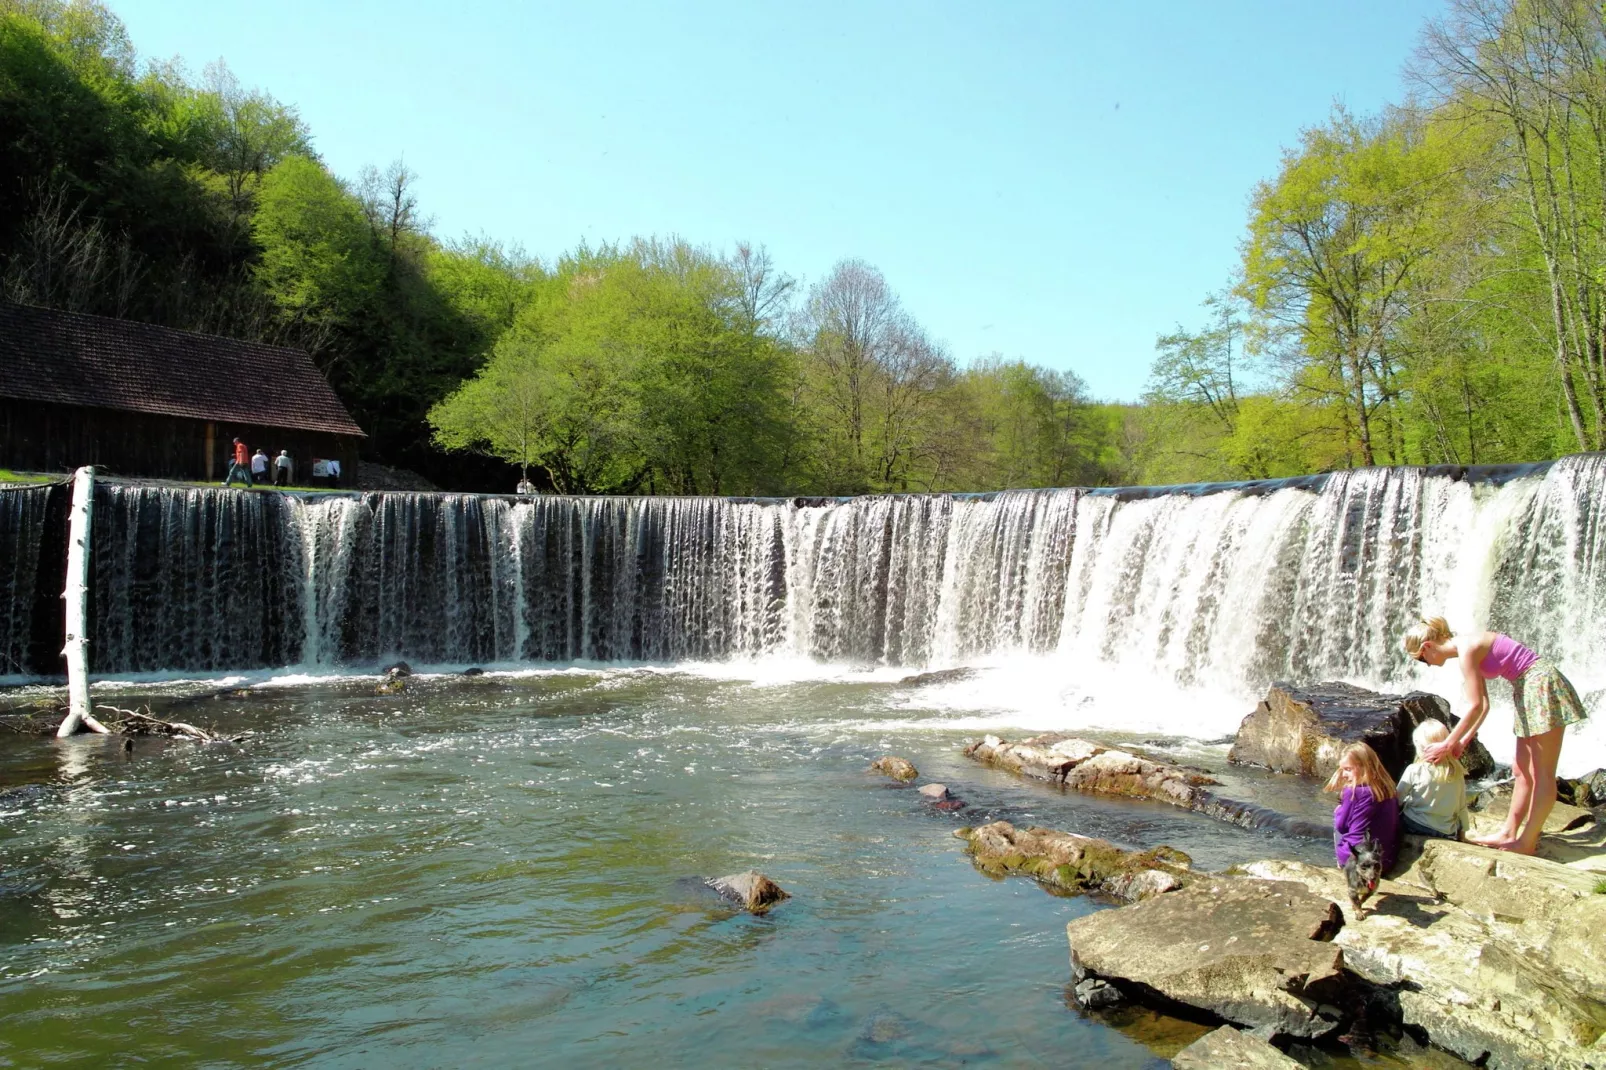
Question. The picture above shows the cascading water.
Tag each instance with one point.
(1212, 591)
(23, 516)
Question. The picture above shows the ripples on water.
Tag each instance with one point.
(504, 871)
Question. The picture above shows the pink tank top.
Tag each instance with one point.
(1507, 658)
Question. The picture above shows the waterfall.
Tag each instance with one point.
(1211, 590)
(23, 520)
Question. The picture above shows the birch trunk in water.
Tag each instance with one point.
(76, 594)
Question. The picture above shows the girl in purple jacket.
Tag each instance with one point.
(1368, 804)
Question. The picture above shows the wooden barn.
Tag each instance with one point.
(142, 400)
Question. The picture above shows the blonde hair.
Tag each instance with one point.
(1369, 769)
(1426, 734)
(1428, 630)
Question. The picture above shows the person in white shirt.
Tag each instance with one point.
(1433, 795)
(259, 466)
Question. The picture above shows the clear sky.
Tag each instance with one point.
(1055, 181)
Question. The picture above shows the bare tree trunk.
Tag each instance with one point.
(76, 595)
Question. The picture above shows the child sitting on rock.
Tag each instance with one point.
(1433, 795)
(1367, 805)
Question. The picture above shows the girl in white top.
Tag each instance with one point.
(1433, 796)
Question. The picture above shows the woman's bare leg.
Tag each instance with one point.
(1546, 754)
(1521, 790)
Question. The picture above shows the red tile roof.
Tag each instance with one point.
(72, 359)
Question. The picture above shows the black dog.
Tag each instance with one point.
(1363, 870)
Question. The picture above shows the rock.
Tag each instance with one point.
(1588, 790)
(941, 676)
(1490, 808)
(1302, 730)
(1085, 766)
(1482, 983)
(1549, 910)
(1231, 1049)
(474, 670)
(396, 668)
(1074, 863)
(391, 686)
(756, 892)
(935, 792)
(1093, 994)
(1253, 952)
(896, 768)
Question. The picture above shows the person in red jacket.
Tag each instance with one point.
(241, 466)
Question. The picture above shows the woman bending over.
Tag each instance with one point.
(1546, 704)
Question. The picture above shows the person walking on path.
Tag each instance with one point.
(1546, 704)
(259, 466)
(241, 465)
(282, 467)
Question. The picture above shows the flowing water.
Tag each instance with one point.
(504, 870)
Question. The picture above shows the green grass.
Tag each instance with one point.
(8, 476)
(1600, 886)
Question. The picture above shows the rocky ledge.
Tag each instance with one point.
(1082, 765)
(1496, 958)
(1303, 729)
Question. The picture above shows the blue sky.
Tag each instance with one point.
(1055, 181)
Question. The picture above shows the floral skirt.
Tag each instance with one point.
(1545, 700)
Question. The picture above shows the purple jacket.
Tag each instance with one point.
(1359, 811)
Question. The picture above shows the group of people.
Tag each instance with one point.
(1430, 798)
(253, 468)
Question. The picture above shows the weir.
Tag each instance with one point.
(1224, 586)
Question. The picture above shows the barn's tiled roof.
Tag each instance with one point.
(72, 359)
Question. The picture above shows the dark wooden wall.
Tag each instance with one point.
(37, 437)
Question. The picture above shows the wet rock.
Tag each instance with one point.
(391, 686)
(941, 676)
(1253, 952)
(897, 768)
(1228, 1047)
(1585, 791)
(396, 668)
(474, 670)
(935, 792)
(1303, 729)
(1093, 994)
(756, 892)
(1082, 765)
(1073, 863)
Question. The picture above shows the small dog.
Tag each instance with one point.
(1363, 870)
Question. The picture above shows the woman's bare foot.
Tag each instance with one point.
(1492, 839)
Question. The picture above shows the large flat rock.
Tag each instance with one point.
(1072, 863)
(1253, 952)
(1472, 981)
(1231, 1049)
(1303, 729)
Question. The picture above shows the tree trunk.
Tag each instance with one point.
(76, 594)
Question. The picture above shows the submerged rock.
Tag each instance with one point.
(1073, 863)
(396, 668)
(1303, 729)
(1254, 952)
(474, 670)
(391, 686)
(896, 768)
(1229, 1047)
(756, 892)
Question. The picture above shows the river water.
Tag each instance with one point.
(504, 870)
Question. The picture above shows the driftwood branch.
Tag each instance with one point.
(137, 723)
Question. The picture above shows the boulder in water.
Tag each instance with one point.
(940, 798)
(756, 892)
(1254, 952)
(897, 768)
(397, 668)
(1072, 863)
(393, 685)
(1229, 1047)
(474, 671)
(1303, 729)
(940, 676)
